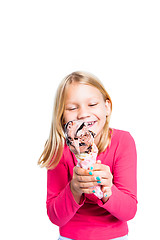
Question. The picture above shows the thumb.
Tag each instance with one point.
(98, 161)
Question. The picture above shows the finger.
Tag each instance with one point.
(107, 192)
(88, 190)
(102, 174)
(101, 167)
(81, 178)
(104, 182)
(83, 172)
(97, 180)
(97, 166)
(87, 184)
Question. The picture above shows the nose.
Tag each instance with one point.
(83, 113)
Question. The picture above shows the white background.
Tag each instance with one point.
(40, 43)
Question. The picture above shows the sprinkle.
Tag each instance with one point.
(93, 191)
(91, 168)
(90, 173)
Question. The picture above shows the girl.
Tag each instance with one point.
(71, 203)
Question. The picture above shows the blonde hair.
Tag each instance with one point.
(53, 149)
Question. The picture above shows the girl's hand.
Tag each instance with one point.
(83, 181)
(103, 174)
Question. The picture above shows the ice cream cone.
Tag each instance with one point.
(81, 142)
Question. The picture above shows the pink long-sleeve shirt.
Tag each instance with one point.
(92, 219)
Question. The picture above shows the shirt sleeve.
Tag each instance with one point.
(123, 202)
(61, 205)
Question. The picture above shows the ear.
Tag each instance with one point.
(108, 107)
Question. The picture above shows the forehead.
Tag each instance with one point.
(81, 91)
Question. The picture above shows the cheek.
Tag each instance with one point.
(68, 116)
(101, 113)
(65, 117)
(103, 120)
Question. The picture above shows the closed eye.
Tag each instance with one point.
(71, 109)
(93, 104)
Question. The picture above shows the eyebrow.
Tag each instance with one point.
(88, 99)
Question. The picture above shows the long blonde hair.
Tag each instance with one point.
(53, 149)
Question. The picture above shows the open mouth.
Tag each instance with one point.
(90, 124)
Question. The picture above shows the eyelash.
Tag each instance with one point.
(93, 104)
(71, 109)
(90, 105)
